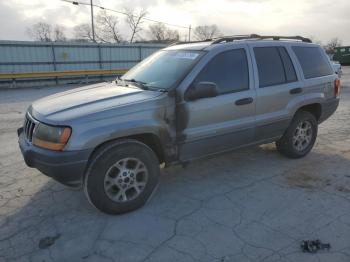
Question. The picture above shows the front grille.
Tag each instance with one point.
(28, 127)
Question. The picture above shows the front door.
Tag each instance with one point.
(226, 121)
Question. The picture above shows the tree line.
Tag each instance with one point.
(107, 30)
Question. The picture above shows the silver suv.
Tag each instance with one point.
(187, 101)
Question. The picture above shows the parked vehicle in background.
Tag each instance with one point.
(337, 68)
(342, 55)
(187, 101)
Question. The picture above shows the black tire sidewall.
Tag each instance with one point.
(285, 144)
(94, 180)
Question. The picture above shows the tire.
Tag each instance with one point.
(303, 127)
(121, 176)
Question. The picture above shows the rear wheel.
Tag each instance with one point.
(122, 176)
(300, 136)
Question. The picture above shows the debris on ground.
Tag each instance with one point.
(312, 246)
(48, 241)
(343, 189)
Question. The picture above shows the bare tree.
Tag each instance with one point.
(134, 20)
(83, 32)
(58, 34)
(46, 33)
(160, 33)
(107, 28)
(157, 31)
(172, 35)
(332, 44)
(206, 32)
(40, 32)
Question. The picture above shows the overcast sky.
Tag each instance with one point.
(320, 19)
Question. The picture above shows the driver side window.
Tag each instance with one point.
(228, 70)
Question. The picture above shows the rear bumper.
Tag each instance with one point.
(328, 108)
(66, 167)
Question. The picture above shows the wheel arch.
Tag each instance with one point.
(315, 109)
(149, 139)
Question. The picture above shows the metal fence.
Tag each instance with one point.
(88, 58)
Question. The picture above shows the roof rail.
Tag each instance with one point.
(191, 42)
(218, 39)
(258, 37)
(243, 37)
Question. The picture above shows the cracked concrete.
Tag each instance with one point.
(249, 205)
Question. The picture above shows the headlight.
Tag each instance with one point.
(51, 137)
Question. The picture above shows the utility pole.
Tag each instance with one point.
(189, 33)
(92, 21)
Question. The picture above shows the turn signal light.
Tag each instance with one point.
(51, 137)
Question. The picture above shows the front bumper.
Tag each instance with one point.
(66, 167)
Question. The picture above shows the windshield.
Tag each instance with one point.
(163, 69)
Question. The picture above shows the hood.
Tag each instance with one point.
(88, 99)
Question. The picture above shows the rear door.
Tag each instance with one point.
(277, 83)
(220, 123)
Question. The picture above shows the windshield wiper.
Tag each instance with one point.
(138, 83)
(142, 85)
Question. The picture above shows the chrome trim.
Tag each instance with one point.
(29, 126)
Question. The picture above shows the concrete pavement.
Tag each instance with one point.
(249, 205)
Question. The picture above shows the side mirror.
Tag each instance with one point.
(202, 90)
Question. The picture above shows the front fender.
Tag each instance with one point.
(102, 133)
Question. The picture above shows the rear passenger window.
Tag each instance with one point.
(274, 66)
(313, 62)
(229, 70)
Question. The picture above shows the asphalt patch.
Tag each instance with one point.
(46, 242)
(307, 180)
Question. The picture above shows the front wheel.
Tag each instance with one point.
(121, 177)
(300, 136)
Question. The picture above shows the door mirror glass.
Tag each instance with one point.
(202, 90)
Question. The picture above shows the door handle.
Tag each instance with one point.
(295, 91)
(244, 101)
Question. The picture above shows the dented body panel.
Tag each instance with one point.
(102, 113)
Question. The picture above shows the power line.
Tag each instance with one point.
(124, 13)
(145, 18)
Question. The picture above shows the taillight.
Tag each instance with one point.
(337, 88)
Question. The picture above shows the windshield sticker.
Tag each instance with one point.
(186, 55)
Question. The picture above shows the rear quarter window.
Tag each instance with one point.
(312, 61)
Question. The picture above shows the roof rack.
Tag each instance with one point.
(191, 42)
(258, 37)
(243, 37)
